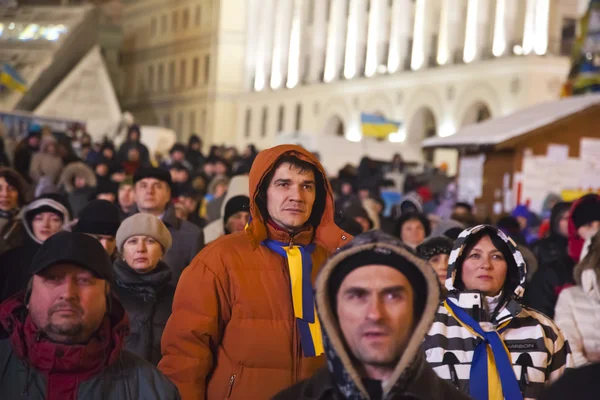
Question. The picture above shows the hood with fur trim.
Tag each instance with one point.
(465, 239)
(411, 366)
(77, 169)
(327, 234)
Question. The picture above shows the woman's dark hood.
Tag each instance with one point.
(558, 211)
(466, 239)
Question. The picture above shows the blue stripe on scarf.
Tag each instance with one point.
(478, 380)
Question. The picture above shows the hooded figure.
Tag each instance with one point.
(555, 271)
(133, 141)
(54, 213)
(347, 373)
(237, 329)
(47, 163)
(79, 181)
(577, 308)
(481, 317)
(237, 187)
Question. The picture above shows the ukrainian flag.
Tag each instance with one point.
(377, 125)
(11, 79)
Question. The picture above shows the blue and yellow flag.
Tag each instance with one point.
(377, 125)
(10, 79)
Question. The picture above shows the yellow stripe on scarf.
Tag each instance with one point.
(494, 384)
(294, 258)
(317, 336)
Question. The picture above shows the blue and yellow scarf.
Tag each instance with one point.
(300, 265)
(492, 376)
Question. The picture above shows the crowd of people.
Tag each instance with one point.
(260, 275)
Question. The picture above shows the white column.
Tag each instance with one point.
(510, 23)
(484, 22)
(375, 36)
(283, 22)
(362, 36)
(335, 39)
(476, 31)
(419, 40)
(401, 28)
(265, 45)
(295, 47)
(452, 23)
(350, 59)
(529, 31)
(500, 39)
(542, 22)
(319, 40)
(252, 30)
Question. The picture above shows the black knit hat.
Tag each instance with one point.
(106, 186)
(99, 217)
(385, 257)
(74, 248)
(434, 246)
(150, 172)
(177, 147)
(236, 204)
(586, 211)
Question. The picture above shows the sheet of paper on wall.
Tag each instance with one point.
(589, 153)
(542, 176)
(470, 178)
(558, 152)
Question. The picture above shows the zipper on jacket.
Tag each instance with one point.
(524, 361)
(231, 382)
(451, 360)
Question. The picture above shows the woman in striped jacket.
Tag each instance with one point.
(482, 339)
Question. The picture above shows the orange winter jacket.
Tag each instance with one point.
(232, 333)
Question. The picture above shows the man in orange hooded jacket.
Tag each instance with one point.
(244, 324)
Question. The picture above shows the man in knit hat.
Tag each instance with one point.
(376, 301)
(125, 198)
(152, 189)
(237, 214)
(100, 219)
(63, 337)
(436, 251)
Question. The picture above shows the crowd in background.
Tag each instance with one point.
(65, 182)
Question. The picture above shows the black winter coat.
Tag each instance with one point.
(15, 268)
(147, 298)
(547, 283)
(550, 249)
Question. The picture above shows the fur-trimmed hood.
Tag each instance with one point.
(77, 169)
(411, 365)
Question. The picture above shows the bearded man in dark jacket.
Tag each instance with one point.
(63, 338)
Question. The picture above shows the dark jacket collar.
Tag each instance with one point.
(80, 361)
(143, 284)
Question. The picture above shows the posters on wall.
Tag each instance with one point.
(553, 173)
(589, 154)
(470, 181)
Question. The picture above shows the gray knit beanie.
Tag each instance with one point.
(143, 224)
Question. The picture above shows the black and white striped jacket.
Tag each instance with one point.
(539, 351)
